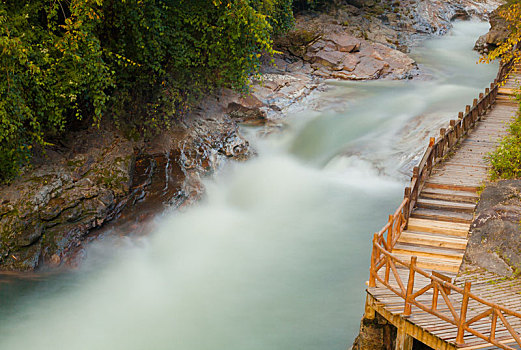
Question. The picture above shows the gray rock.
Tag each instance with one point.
(495, 238)
(497, 34)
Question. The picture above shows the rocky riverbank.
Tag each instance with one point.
(95, 176)
(353, 40)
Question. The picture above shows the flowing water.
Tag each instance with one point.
(276, 256)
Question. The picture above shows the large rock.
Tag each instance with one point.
(343, 41)
(495, 239)
(329, 58)
(375, 334)
(46, 212)
(497, 34)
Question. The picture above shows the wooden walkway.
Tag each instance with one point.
(417, 255)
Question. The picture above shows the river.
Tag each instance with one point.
(276, 255)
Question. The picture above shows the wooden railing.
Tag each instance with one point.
(385, 240)
(441, 286)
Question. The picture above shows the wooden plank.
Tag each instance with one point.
(446, 205)
(434, 263)
(440, 194)
(430, 240)
(453, 229)
(430, 251)
(453, 187)
(441, 215)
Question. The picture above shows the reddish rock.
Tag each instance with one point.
(329, 58)
(350, 62)
(368, 68)
(344, 42)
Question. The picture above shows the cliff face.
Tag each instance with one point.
(495, 239)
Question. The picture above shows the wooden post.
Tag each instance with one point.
(460, 127)
(406, 208)
(463, 315)
(372, 272)
(390, 233)
(389, 247)
(467, 117)
(435, 292)
(493, 325)
(410, 287)
(403, 340)
(443, 141)
(453, 135)
(432, 155)
(369, 313)
(481, 106)
(414, 190)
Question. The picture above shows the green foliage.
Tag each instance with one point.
(144, 61)
(279, 14)
(300, 5)
(52, 69)
(506, 159)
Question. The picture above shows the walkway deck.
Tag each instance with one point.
(429, 302)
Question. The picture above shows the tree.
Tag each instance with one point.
(141, 61)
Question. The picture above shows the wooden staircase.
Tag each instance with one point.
(438, 228)
(440, 221)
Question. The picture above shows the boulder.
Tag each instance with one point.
(369, 68)
(329, 58)
(495, 238)
(343, 42)
(497, 34)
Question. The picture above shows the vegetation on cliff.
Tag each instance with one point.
(506, 159)
(140, 62)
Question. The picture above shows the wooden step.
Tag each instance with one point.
(507, 91)
(442, 215)
(445, 205)
(441, 227)
(429, 251)
(455, 196)
(451, 187)
(436, 264)
(425, 239)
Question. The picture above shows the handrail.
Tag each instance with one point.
(385, 240)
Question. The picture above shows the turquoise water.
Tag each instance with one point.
(276, 255)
